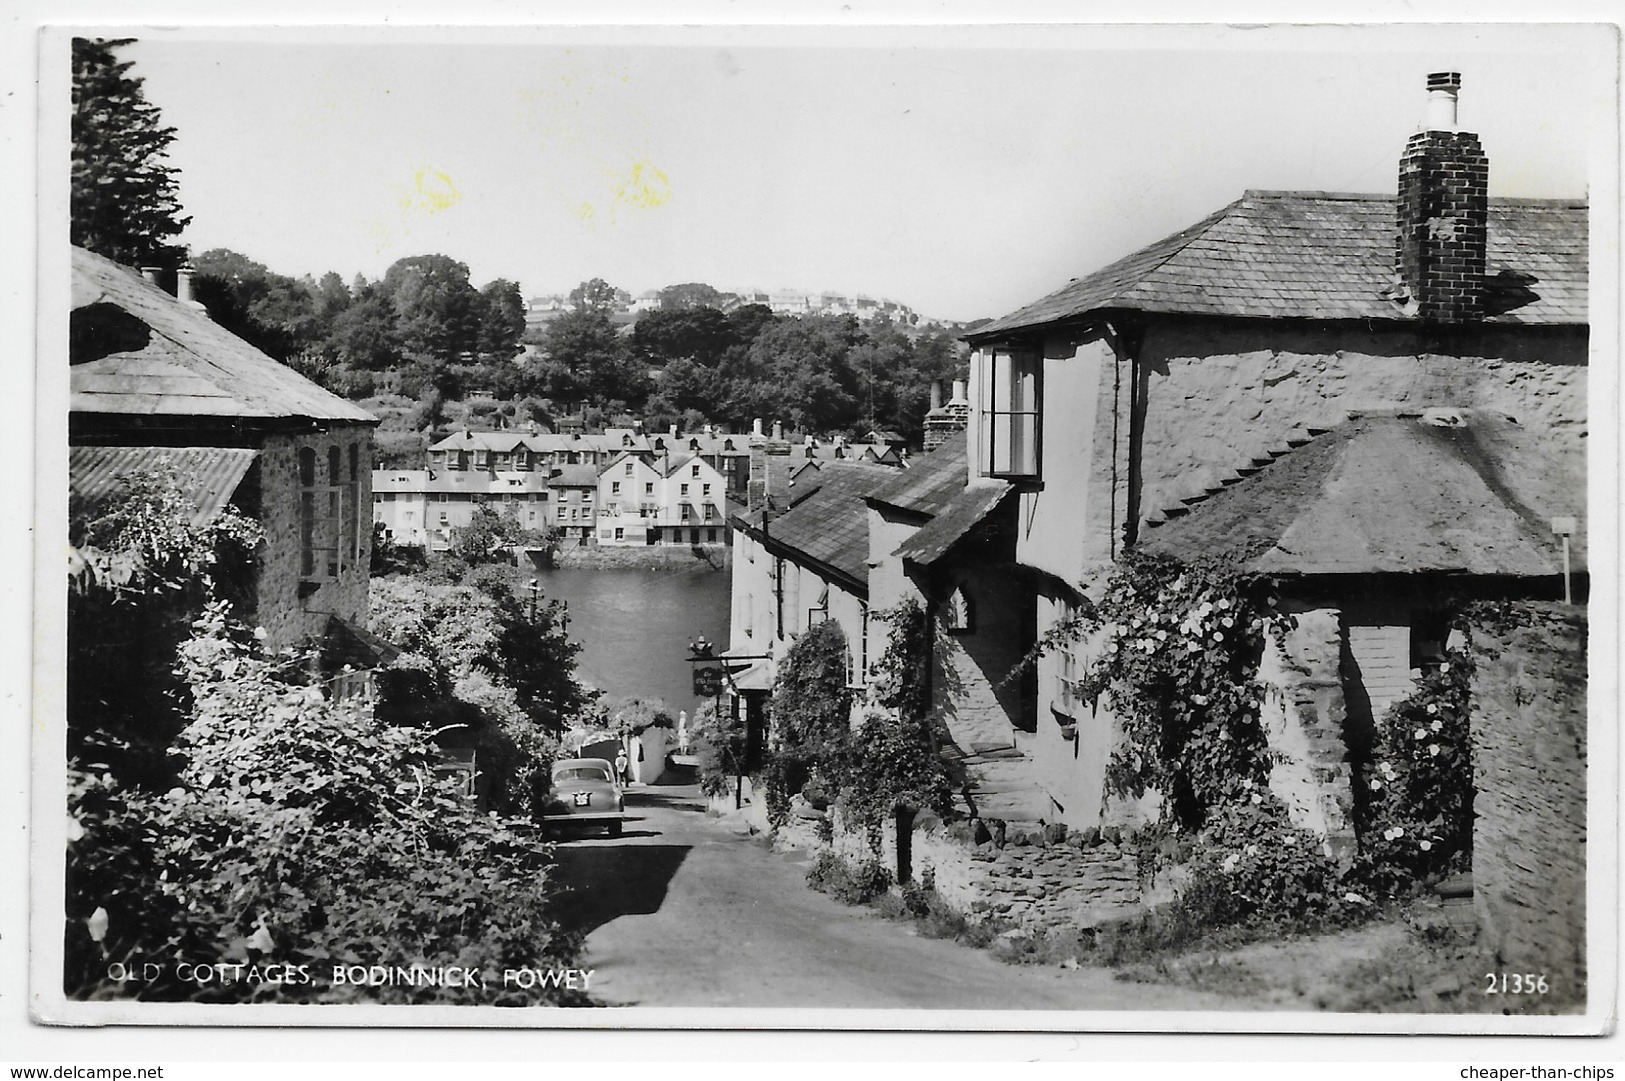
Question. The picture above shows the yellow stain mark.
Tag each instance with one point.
(431, 192)
(645, 187)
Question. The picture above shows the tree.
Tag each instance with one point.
(364, 334)
(502, 320)
(275, 313)
(436, 309)
(124, 202)
(696, 333)
(689, 295)
(588, 346)
(594, 295)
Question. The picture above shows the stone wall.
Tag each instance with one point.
(1303, 719)
(1529, 767)
(1078, 880)
(290, 608)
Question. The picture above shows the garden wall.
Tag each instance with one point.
(1529, 767)
(1081, 880)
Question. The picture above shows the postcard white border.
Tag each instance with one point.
(47, 792)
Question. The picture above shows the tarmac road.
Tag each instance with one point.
(685, 910)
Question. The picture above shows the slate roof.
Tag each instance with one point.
(931, 481)
(208, 476)
(1323, 255)
(574, 476)
(1394, 495)
(963, 513)
(456, 480)
(831, 525)
(176, 361)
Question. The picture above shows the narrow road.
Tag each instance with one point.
(683, 911)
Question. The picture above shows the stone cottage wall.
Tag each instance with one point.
(1529, 767)
(288, 617)
(1303, 719)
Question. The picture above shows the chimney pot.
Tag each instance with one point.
(1443, 90)
(936, 395)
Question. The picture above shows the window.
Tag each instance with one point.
(615, 487)
(629, 469)
(323, 512)
(695, 471)
(705, 489)
(957, 613)
(684, 490)
(1009, 409)
(710, 536)
(648, 489)
(710, 512)
(620, 534)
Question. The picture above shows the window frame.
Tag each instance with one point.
(1003, 457)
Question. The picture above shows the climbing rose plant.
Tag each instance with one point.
(1417, 790)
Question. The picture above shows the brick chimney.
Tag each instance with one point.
(1443, 205)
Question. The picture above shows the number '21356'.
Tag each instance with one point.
(1515, 983)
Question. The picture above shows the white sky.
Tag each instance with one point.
(961, 171)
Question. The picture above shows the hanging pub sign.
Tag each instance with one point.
(707, 681)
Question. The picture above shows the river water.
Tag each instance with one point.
(634, 626)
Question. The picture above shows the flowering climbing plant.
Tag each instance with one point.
(1179, 668)
(1417, 789)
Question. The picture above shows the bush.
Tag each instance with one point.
(1416, 795)
(299, 832)
(850, 885)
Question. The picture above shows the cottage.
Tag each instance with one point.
(154, 379)
(1382, 396)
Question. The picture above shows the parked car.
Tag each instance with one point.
(584, 792)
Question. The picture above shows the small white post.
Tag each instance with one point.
(1565, 528)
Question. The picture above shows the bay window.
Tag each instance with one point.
(1008, 405)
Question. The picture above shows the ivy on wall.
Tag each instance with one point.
(1179, 668)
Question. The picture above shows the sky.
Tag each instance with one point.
(963, 172)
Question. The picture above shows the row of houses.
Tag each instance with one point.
(615, 488)
(727, 453)
(1378, 400)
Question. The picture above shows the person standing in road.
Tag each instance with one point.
(620, 766)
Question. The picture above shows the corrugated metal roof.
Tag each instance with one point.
(208, 476)
(964, 513)
(1321, 255)
(1383, 495)
(931, 481)
(189, 365)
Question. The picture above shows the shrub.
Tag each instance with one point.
(850, 885)
(1417, 792)
(299, 832)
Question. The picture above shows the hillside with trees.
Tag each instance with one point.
(425, 349)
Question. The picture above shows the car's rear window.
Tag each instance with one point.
(581, 773)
